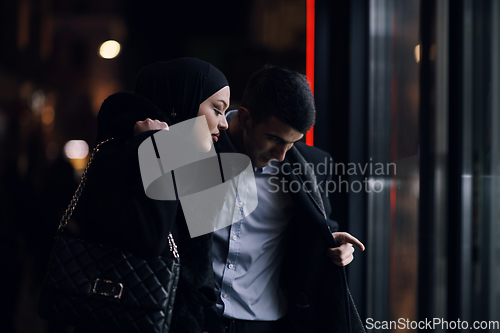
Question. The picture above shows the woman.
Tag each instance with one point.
(114, 208)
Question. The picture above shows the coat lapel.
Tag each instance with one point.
(305, 176)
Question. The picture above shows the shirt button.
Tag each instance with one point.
(235, 238)
(224, 296)
(240, 204)
(230, 266)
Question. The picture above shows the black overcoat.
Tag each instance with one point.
(318, 296)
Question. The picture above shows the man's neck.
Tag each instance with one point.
(235, 133)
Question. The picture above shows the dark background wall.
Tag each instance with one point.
(52, 83)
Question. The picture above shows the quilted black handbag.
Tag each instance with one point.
(105, 288)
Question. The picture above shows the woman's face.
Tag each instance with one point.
(214, 109)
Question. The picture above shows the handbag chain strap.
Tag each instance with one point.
(172, 246)
(78, 193)
(79, 189)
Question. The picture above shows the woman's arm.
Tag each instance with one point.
(115, 207)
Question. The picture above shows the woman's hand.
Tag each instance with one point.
(148, 125)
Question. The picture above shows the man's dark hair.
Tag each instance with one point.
(280, 92)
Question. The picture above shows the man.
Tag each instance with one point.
(280, 269)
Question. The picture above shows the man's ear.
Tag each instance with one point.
(244, 117)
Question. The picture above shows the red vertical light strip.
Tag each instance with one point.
(394, 156)
(310, 13)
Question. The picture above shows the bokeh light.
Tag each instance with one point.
(109, 49)
(417, 53)
(48, 115)
(76, 149)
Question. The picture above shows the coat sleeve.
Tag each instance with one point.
(115, 209)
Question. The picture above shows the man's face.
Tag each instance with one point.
(269, 140)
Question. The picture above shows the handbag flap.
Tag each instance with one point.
(109, 273)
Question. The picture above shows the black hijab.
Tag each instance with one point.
(179, 86)
(170, 91)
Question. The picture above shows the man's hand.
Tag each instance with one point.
(148, 125)
(343, 254)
